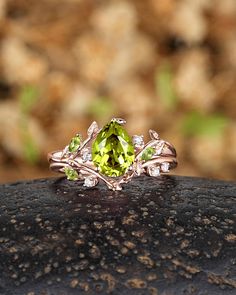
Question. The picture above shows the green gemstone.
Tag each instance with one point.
(148, 153)
(113, 151)
(71, 174)
(74, 144)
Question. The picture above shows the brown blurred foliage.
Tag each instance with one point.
(169, 65)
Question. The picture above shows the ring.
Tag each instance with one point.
(112, 156)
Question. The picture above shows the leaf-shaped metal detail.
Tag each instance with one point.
(93, 128)
(153, 134)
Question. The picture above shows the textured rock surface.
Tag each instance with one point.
(170, 235)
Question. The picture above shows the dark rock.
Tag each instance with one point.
(170, 235)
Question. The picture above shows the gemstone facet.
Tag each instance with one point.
(165, 167)
(113, 151)
(154, 171)
(148, 153)
(74, 144)
(71, 174)
(138, 141)
(86, 155)
(90, 181)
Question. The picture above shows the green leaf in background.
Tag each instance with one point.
(164, 87)
(195, 123)
(28, 96)
(101, 107)
(31, 151)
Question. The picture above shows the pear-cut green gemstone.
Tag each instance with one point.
(113, 151)
(148, 153)
(74, 144)
(71, 174)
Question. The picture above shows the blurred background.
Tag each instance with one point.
(169, 65)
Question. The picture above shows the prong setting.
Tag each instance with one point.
(119, 121)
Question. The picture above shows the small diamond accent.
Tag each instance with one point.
(138, 141)
(138, 168)
(90, 181)
(165, 167)
(86, 155)
(154, 171)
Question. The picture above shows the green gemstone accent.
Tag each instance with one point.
(71, 174)
(148, 153)
(113, 151)
(74, 144)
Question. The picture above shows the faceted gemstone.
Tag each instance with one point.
(71, 174)
(165, 167)
(154, 171)
(113, 151)
(138, 141)
(148, 153)
(139, 168)
(86, 155)
(74, 144)
(90, 181)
